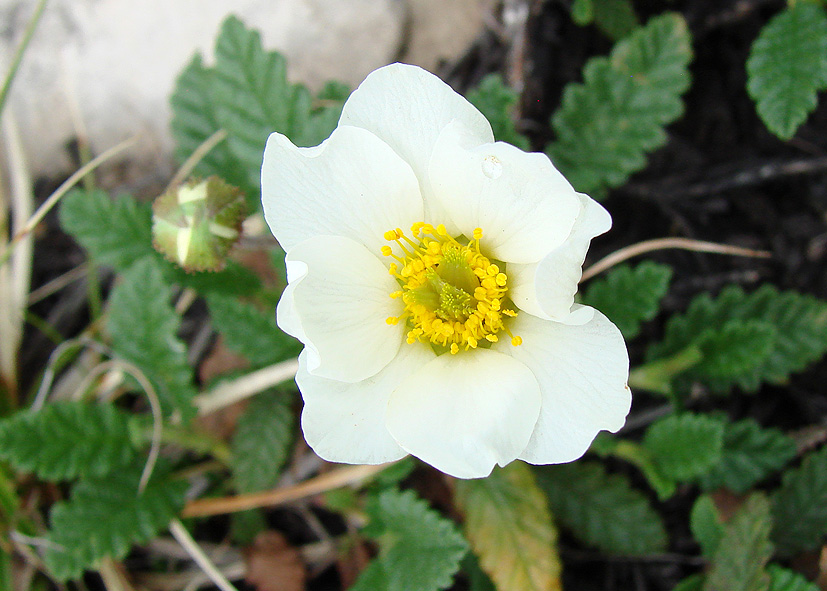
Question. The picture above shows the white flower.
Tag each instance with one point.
(431, 278)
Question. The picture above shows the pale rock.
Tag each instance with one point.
(109, 66)
(442, 30)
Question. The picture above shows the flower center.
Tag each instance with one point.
(454, 296)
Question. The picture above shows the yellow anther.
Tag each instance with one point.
(451, 292)
(517, 341)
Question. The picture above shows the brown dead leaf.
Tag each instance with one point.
(727, 503)
(821, 579)
(220, 361)
(274, 565)
(352, 561)
(221, 424)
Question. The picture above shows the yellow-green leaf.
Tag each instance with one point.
(510, 528)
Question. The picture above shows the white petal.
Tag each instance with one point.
(465, 413)
(524, 206)
(582, 371)
(408, 108)
(338, 308)
(546, 289)
(346, 422)
(351, 185)
(286, 316)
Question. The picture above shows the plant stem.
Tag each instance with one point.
(656, 376)
(328, 481)
(188, 439)
(21, 50)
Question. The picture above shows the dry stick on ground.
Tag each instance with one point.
(228, 393)
(666, 243)
(185, 539)
(329, 481)
(15, 274)
(47, 205)
(197, 156)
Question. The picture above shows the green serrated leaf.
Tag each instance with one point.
(252, 98)
(248, 96)
(393, 474)
(787, 67)
(510, 529)
(602, 510)
(783, 579)
(6, 571)
(116, 232)
(246, 525)
(582, 12)
(750, 454)
(234, 280)
(799, 322)
(143, 327)
(691, 583)
(374, 578)
(324, 116)
(799, 507)
(606, 125)
(262, 442)
(744, 550)
(616, 18)
(477, 579)
(496, 101)
(66, 440)
(608, 445)
(250, 332)
(106, 516)
(685, 446)
(630, 296)
(734, 349)
(418, 549)
(706, 525)
(194, 120)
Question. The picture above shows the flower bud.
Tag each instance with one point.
(196, 224)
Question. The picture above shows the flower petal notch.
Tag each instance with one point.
(431, 278)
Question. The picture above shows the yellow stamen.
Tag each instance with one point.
(454, 297)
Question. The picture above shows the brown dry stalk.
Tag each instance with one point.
(666, 243)
(329, 481)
